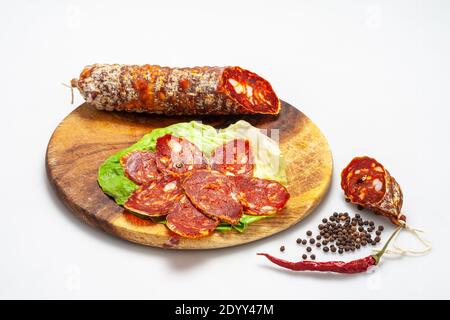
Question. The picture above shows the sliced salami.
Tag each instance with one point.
(156, 198)
(178, 155)
(214, 194)
(233, 158)
(140, 166)
(187, 221)
(261, 197)
(367, 183)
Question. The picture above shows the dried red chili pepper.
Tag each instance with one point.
(355, 266)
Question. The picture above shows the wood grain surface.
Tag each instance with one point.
(86, 137)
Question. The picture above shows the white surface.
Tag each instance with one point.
(374, 75)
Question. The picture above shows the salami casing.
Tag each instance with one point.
(367, 183)
(233, 158)
(186, 221)
(178, 155)
(140, 166)
(214, 194)
(156, 198)
(176, 91)
(261, 197)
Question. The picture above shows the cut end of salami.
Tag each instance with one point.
(261, 197)
(367, 183)
(250, 90)
(178, 155)
(186, 221)
(214, 194)
(364, 180)
(140, 166)
(155, 199)
(233, 158)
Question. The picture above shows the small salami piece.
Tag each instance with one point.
(156, 198)
(176, 91)
(178, 155)
(140, 166)
(214, 194)
(233, 158)
(186, 221)
(367, 183)
(261, 197)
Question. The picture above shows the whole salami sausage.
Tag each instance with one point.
(176, 91)
(367, 183)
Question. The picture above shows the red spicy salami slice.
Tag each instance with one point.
(140, 166)
(156, 198)
(186, 221)
(261, 197)
(177, 155)
(233, 158)
(213, 194)
(367, 183)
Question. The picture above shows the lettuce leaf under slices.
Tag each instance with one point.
(269, 162)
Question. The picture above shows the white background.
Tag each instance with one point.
(373, 75)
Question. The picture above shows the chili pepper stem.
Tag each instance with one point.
(377, 256)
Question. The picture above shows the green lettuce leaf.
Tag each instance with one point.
(269, 163)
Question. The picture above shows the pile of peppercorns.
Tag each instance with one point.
(341, 233)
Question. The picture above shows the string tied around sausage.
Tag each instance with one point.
(397, 250)
(71, 91)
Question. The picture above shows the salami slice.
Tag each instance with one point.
(178, 155)
(140, 166)
(214, 194)
(156, 198)
(261, 197)
(186, 221)
(367, 183)
(233, 158)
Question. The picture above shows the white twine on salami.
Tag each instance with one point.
(71, 91)
(402, 252)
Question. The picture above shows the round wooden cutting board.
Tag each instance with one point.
(87, 137)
